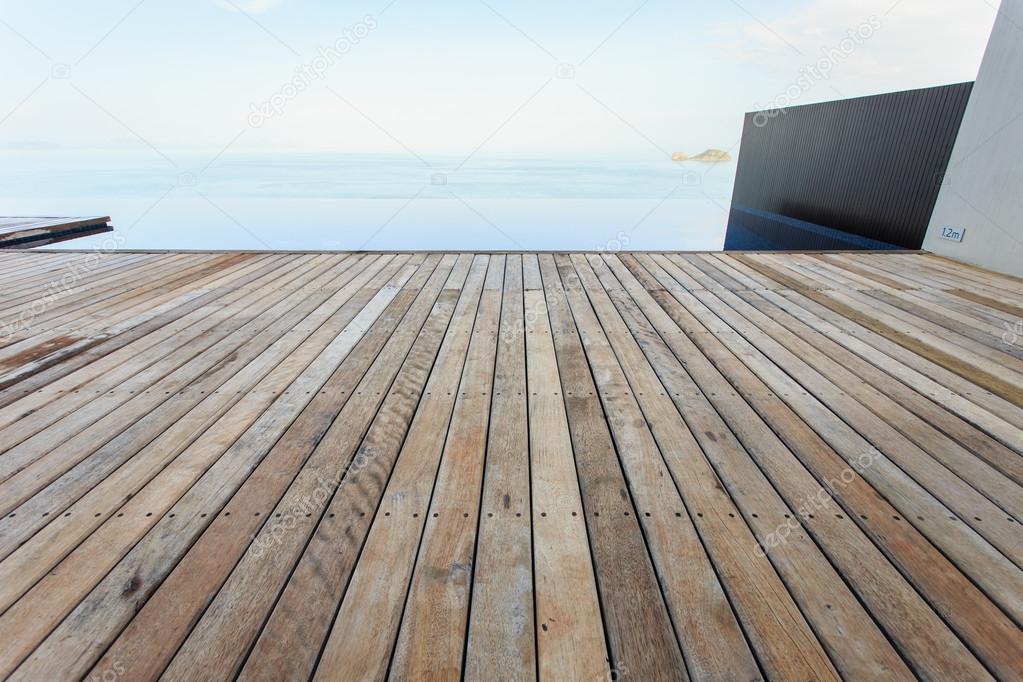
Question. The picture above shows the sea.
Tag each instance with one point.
(334, 201)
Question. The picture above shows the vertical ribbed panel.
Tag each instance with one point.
(869, 166)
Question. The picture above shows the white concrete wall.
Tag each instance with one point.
(983, 188)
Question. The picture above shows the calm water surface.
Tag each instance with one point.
(346, 201)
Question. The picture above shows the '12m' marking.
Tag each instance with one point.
(953, 234)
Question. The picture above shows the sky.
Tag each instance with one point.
(627, 79)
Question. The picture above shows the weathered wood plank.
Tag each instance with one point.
(306, 608)
(973, 614)
(274, 465)
(784, 642)
(97, 620)
(931, 347)
(23, 233)
(372, 604)
(570, 632)
(501, 640)
(641, 637)
(788, 518)
(235, 570)
(431, 639)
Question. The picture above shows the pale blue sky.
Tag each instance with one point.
(597, 78)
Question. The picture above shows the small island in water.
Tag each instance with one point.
(712, 155)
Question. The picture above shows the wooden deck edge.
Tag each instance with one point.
(42, 237)
(461, 251)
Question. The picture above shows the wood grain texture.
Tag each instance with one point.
(25, 233)
(658, 466)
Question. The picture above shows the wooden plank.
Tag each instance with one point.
(71, 280)
(123, 444)
(87, 280)
(953, 337)
(15, 266)
(980, 407)
(641, 638)
(28, 232)
(492, 466)
(983, 332)
(835, 277)
(35, 462)
(961, 434)
(966, 271)
(963, 383)
(995, 303)
(822, 596)
(53, 346)
(779, 498)
(618, 498)
(986, 565)
(306, 608)
(744, 277)
(930, 271)
(10, 224)
(431, 639)
(930, 347)
(933, 273)
(372, 604)
(154, 320)
(49, 406)
(225, 288)
(225, 586)
(762, 281)
(980, 316)
(877, 270)
(864, 271)
(46, 324)
(569, 626)
(103, 613)
(830, 337)
(904, 439)
(26, 445)
(784, 642)
(148, 449)
(978, 621)
(501, 640)
(66, 304)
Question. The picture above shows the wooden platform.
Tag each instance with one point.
(24, 233)
(571, 466)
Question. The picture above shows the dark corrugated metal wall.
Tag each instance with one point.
(869, 166)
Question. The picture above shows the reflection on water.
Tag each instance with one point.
(343, 201)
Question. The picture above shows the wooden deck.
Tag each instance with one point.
(572, 466)
(24, 233)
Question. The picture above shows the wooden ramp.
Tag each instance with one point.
(24, 233)
(508, 466)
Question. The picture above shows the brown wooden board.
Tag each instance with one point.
(24, 233)
(663, 466)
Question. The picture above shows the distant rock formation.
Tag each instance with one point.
(712, 155)
(679, 156)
